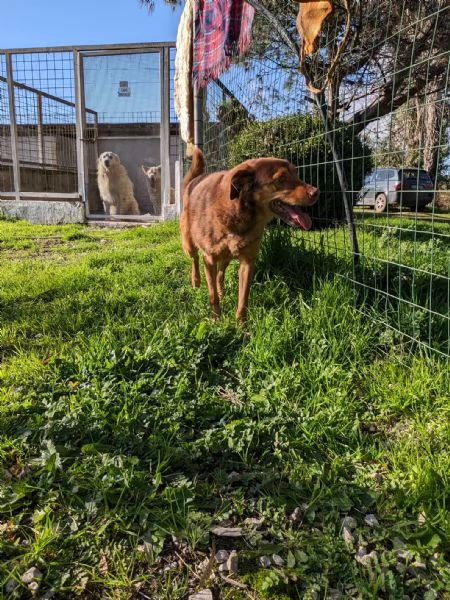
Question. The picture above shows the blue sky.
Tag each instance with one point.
(139, 72)
(40, 23)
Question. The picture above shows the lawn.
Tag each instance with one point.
(132, 425)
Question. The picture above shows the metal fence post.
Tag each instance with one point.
(348, 206)
(13, 126)
(80, 130)
(40, 135)
(165, 132)
(198, 117)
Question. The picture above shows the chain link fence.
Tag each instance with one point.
(378, 135)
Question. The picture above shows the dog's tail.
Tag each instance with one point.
(197, 166)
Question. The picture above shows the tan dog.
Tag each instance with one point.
(224, 215)
(115, 187)
(153, 175)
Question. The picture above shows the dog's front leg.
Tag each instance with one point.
(211, 280)
(220, 276)
(246, 268)
(114, 210)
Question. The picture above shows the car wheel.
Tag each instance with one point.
(380, 203)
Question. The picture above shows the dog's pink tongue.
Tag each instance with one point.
(301, 219)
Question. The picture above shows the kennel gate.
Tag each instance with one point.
(61, 107)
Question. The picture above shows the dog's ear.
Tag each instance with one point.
(241, 181)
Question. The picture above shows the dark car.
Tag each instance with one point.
(407, 187)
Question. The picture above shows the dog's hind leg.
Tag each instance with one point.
(195, 273)
(133, 207)
(190, 250)
(211, 280)
(220, 276)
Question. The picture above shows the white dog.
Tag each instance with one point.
(115, 187)
(153, 175)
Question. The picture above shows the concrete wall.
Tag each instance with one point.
(44, 212)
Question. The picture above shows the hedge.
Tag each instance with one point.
(301, 139)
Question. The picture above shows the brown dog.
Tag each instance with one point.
(224, 215)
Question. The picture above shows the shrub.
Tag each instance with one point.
(301, 139)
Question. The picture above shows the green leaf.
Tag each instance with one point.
(301, 556)
(201, 330)
(290, 560)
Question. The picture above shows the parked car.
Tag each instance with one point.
(407, 187)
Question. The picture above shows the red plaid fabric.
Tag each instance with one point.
(222, 29)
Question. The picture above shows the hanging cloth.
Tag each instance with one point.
(183, 94)
(222, 30)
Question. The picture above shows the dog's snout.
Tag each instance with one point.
(106, 162)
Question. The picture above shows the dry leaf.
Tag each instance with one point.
(103, 565)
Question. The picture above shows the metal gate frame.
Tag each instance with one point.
(82, 140)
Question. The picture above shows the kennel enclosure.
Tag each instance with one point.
(60, 108)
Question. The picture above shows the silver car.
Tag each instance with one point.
(406, 187)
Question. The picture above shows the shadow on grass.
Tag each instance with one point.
(412, 301)
(295, 262)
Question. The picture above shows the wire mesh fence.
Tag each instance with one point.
(44, 140)
(378, 134)
(6, 169)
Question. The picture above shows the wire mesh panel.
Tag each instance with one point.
(61, 108)
(174, 137)
(45, 116)
(6, 169)
(123, 87)
(376, 132)
(49, 72)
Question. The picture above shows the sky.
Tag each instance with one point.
(55, 23)
(48, 23)
(124, 87)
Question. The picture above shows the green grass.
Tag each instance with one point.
(130, 423)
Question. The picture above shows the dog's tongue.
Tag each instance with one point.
(300, 218)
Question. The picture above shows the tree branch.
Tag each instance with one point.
(384, 106)
(284, 35)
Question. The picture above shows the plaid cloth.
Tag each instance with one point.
(222, 29)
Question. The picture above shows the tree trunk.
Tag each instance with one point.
(431, 111)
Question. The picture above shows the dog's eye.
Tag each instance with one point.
(281, 180)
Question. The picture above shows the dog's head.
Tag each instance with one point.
(272, 185)
(153, 174)
(108, 159)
